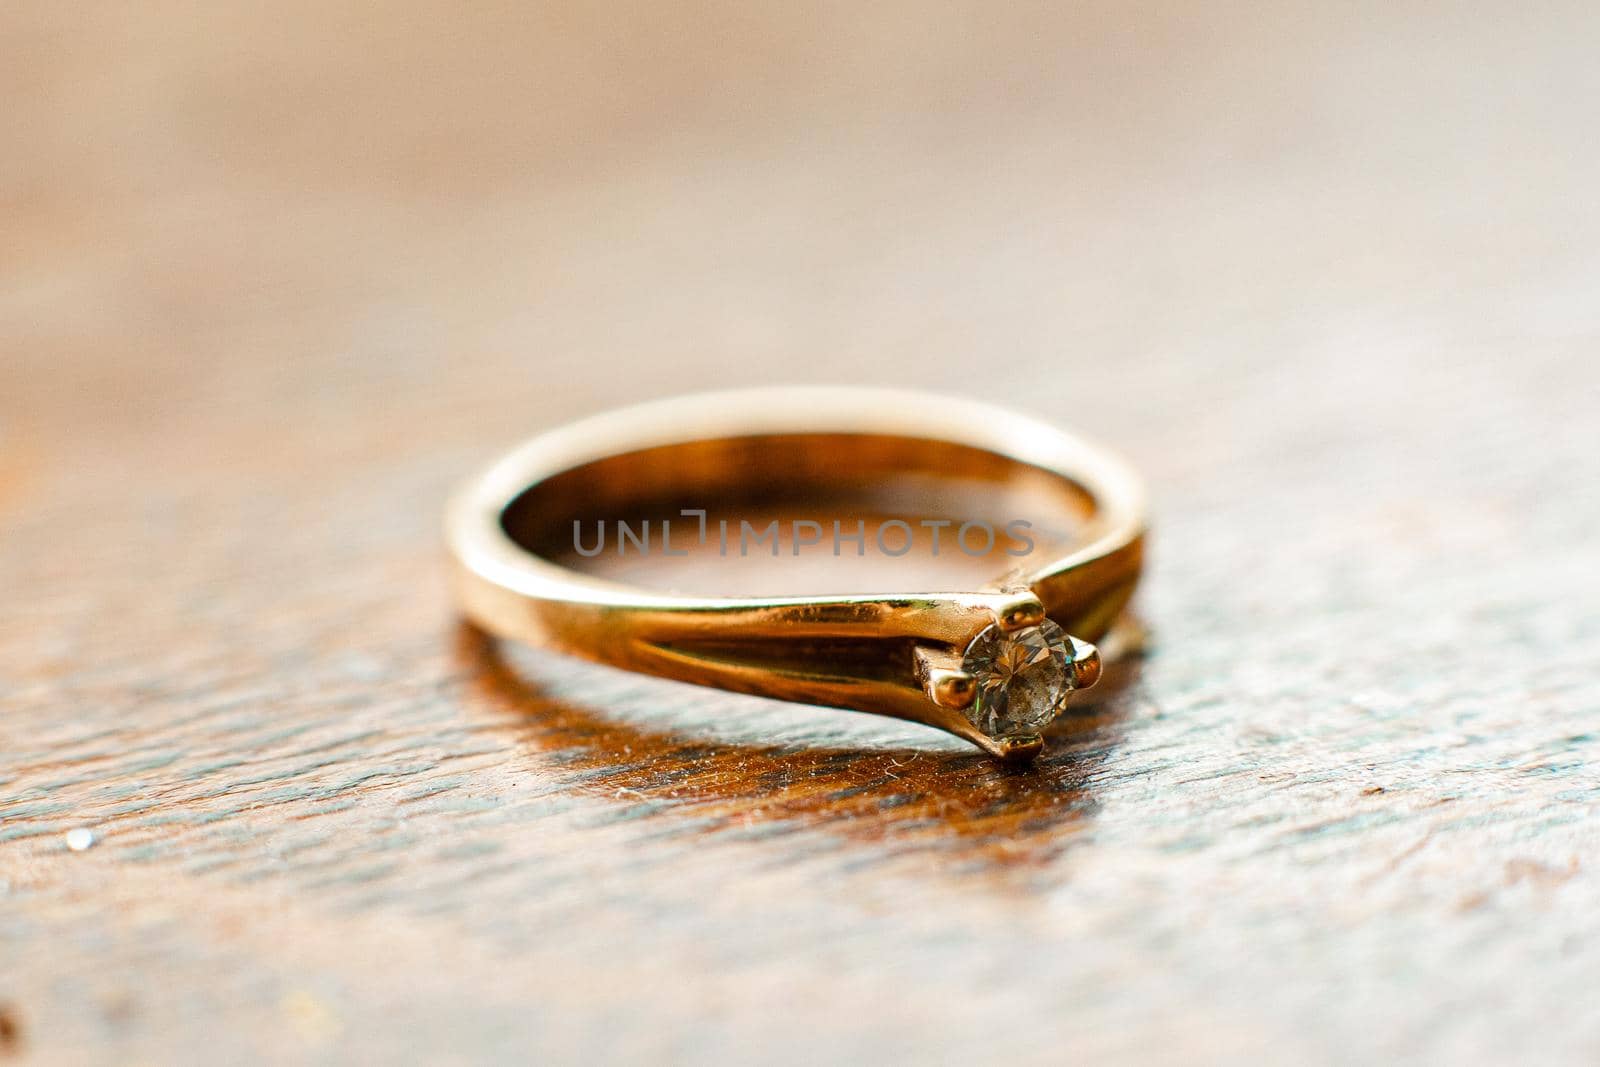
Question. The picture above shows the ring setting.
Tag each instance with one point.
(1021, 680)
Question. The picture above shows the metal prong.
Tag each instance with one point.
(1085, 664)
(1021, 749)
(950, 689)
(1019, 612)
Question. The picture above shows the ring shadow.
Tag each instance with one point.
(964, 806)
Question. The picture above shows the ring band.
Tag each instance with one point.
(991, 665)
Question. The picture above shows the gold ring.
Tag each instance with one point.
(992, 664)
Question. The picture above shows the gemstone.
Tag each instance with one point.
(1022, 678)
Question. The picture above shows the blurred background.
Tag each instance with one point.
(273, 278)
(1238, 215)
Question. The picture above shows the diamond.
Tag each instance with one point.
(1022, 678)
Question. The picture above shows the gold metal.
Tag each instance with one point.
(896, 653)
(1085, 664)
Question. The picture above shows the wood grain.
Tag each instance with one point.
(275, 278)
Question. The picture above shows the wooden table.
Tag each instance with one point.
(275, 277)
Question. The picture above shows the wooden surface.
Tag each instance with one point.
(273, 280)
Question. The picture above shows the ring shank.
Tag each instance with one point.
(843, 477)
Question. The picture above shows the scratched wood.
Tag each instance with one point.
(276, 276)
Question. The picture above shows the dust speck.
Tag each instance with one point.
(10, 1030)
